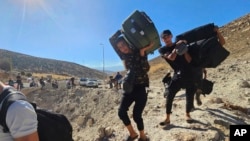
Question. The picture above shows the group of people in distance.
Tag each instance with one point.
(185, 76)
(116, 81)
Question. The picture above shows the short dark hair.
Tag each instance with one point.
(165, 33)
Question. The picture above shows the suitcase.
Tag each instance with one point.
(208, 53)
(202, 32)
(139, 30)
(212, 53)
(112, 41)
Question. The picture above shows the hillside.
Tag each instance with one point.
(93, 112)
(21, 62)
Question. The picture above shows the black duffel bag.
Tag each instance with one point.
(202, 32)
(208, 53)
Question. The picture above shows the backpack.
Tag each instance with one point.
(51, 126)
(167, 79)
(207, 86)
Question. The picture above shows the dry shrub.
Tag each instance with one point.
(54, 76)
(157, 67)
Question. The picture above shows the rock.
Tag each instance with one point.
(81, 120)
(90, 122)
(108, 131)
(244, 84)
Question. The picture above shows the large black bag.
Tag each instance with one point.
(202, 32)
(208, 53)
(51, 126)
(213, 53)
(204, 48)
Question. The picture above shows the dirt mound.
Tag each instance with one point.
(93, 112)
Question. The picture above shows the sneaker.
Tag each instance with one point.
(163, 123)
(147, 139)
(128, 138)
(189, 119)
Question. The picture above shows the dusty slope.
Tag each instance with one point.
(93, 112)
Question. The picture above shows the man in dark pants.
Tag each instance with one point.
(19, 81)
(183, 74)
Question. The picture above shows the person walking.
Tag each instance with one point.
(11, 82)
(42, 83)
(118, 78)
(19, 81)
(72, 81)
(135, 61)
(183, 76)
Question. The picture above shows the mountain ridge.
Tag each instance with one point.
(28, 63)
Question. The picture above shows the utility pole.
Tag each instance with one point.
(103, 63)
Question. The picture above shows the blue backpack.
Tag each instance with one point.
(51, 126)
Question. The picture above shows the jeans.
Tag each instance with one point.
(174, 87)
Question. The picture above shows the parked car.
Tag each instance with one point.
(92, 83)
(100, 82)
(83, 81)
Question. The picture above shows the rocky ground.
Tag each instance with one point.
(93, 112)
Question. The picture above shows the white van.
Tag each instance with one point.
(83, 81)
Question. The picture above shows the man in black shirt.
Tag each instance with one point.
(183, 74)
(19, 81)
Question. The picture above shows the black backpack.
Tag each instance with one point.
(51, 126)
(207, 86)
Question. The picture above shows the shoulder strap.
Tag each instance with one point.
(8, 97)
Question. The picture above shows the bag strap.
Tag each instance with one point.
(8, 97)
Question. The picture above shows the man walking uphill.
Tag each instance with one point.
(183, 74)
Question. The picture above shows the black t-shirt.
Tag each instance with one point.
(180, 64)
(18, 79)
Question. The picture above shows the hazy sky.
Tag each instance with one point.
(78, 30)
